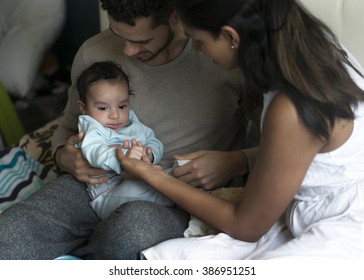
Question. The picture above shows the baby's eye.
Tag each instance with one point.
(101, 108)
(122, 107)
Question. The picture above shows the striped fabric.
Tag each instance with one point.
(20, 176)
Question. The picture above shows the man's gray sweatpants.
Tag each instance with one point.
(58, 220)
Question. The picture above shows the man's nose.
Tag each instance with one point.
(131, 49)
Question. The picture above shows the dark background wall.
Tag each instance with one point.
(82, 22)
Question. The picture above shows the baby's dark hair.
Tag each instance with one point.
(103, 70)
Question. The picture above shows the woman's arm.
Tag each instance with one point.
(279, 169)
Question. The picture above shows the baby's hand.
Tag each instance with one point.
(147, 155)
(135, 152)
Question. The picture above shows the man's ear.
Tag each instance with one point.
(82, 107)
(230, 33)
(173, 18)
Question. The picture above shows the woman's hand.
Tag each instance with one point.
(70, 159)
(141, 152)
(136, 169)
(210, 169)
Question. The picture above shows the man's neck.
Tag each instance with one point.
(173, 50)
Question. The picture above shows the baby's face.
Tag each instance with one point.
(108, 103)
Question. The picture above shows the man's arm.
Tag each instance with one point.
(68, 123)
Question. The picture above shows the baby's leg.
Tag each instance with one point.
(127, 191)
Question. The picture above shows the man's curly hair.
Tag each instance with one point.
(127, 11)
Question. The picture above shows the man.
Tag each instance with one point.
(193, 107)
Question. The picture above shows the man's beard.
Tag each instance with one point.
(167, 43)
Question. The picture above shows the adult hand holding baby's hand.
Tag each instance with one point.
(138, 151)
(136, 169)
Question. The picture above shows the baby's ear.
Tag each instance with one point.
(82, 107)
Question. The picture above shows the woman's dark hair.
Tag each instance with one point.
(104, 70)
(283, 46)
(127, 11)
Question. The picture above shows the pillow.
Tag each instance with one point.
(27, 31)
(20, 176)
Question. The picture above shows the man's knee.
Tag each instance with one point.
(135, 226)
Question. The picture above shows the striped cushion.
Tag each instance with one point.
(20, 176)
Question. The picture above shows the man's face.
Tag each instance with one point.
(142, 41)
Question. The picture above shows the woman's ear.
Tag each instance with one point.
(231, 35)
(82, 107)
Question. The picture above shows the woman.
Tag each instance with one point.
(305, 195)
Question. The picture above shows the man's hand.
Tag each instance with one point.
(210, 169)
(70, 159)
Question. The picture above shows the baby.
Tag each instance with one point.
(107, 121)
